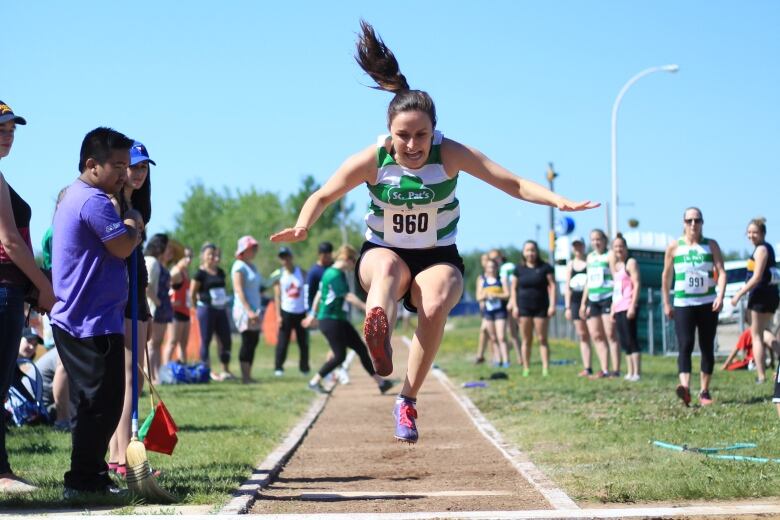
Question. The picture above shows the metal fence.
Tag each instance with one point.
(656, 332)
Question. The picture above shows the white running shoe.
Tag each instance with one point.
(343, 376)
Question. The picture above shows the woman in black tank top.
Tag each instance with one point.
(18, 272)
(575, 284)
(762, 294)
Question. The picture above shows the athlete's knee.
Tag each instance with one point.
(387, 266)
(436, 307)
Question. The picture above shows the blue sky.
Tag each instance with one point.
(262, 93)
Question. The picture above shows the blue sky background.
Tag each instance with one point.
(241, 93)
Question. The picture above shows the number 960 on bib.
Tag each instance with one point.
(412, 229)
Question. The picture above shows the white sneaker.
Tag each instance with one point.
(635, 378)
(278, 373)
(343, 376)
(629, 377)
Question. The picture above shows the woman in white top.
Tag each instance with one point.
(410, 252)
(290, 302)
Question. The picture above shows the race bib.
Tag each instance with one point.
(410, 229)
(595, 277)
(696, 282)
(774, 273)
(492, 304)
(218, 296)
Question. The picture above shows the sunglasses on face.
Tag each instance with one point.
(692, 221)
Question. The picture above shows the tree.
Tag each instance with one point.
(221, 218)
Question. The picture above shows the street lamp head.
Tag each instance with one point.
(671, 68)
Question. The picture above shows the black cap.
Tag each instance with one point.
(6, 114)
(325, 247)
(30, 335)
(284, 251)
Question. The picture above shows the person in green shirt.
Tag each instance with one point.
(329, 309)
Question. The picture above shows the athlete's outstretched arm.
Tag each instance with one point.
(473, 161)
(357, 169)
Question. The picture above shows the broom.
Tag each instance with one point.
(140, 480)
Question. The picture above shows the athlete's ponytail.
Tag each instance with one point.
(379, 62)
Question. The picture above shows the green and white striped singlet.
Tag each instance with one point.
(412, 209)
(599, 276)
(694, 281)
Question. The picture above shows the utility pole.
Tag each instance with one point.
(551, 175)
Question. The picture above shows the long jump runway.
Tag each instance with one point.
(350, 463)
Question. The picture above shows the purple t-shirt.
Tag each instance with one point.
(90, 283)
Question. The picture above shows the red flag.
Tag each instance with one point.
(161, 436)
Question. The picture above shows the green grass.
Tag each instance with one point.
(594, 437)
(225, 429)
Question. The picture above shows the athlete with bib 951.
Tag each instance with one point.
(410, 252)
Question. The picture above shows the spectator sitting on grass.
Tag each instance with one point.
(53, 377)
(55, 388)
(745, 345)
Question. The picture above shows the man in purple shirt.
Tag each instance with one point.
(90, 244)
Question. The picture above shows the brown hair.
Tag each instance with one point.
(760, 223)
(379, 62)
(620, 237)
(347, 252)
(694, 208)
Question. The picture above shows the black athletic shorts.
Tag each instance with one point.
(417, 260)
(596, 309)
(533, 311)
(576, 302)
(180, 316)
(764, 300)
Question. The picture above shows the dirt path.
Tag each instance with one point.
(349, 462)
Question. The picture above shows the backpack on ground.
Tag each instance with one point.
(24, 404)
(174, 373)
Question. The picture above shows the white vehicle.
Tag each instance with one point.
(736, 272)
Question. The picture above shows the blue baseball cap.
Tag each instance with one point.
(6, 114)
(138, 153)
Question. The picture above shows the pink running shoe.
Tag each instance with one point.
(405, 425)
(376, 331)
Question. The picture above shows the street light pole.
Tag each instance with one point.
(615, 108)
(551, 175)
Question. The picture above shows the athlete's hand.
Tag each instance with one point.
(735, 299)
(668, 311)
(717, 305)
(567, 313)
(569, 205)
(516, 313)
(551, 311)
(631, 313)
(583, 313)
(293, 234)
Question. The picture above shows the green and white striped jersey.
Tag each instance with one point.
(412, 209)
(694, 280)
(600, 282)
